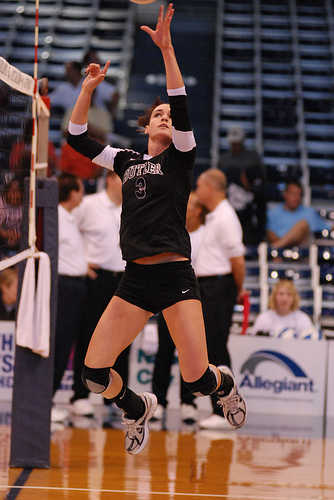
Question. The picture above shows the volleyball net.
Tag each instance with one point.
(29, 241)
(20, 108)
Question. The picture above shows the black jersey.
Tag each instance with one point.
(155, 189)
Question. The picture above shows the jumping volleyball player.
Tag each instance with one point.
(156, 247)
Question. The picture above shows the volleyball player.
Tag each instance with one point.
(156, 246)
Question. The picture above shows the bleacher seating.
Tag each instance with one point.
(312, 270)
(265, 266)
(325, 261)
(67, 29)
(275, 76)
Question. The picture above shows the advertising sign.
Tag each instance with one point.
(7, 357)
(141, 367)
(330, 384)
(280, 376)
(142, 356)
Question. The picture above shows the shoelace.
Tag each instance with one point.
(132, 427)
(231, 403)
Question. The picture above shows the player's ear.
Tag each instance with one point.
(147, 129)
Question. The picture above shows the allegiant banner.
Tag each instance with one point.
(276, 376)
(281, 376)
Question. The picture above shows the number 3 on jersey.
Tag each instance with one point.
(141, 188)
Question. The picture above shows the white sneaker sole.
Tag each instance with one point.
(226, 370)
(154, 404)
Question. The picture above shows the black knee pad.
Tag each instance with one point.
(204, 386)
(95, 379)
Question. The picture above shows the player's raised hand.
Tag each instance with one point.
(161, 35)
(94, 75)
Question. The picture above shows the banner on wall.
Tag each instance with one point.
(7, 357)
(276, 376)
(330, 379)
(7, 360)
(142, 358)
(280, 376)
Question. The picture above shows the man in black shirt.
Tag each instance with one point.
(246, 189)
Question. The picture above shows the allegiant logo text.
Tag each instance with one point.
(300, 381)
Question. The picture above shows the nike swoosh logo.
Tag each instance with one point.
(185, 291)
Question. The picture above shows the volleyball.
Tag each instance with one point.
(142, 2)
(286, 333)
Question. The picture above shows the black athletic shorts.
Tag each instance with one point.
(158, 286)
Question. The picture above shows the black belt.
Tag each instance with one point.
(115, 274)
(214, 277)
(73, 278)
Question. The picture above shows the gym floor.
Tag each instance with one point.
(270, 458)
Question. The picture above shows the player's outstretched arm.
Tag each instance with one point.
(162, 38)
(94, 77)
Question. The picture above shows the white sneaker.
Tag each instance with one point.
(214, 422)
(188, 413)
(58, 415)
(82, 407)
(233, 404)
(159, 413)
(137, 430)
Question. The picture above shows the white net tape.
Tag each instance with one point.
(15, 78)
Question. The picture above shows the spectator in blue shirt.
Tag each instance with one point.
(291, 223)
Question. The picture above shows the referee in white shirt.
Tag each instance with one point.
(220, 269)
(98, 218)
(72, 270)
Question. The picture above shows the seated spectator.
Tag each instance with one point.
(67, 92)
(291, 223)
(246, 190)
(107, 97)
(11, 207)
(72, 162)
(99, 127)
(283, 313)
(107, 94)
(20, 157)
(99, 120)
(8, 291)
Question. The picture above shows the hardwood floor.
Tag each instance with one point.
(270, 458)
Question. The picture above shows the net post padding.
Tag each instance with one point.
(33, 375)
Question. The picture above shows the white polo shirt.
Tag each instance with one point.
(222, 240)
(98, 219)
(71, 254)
(196, 240)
